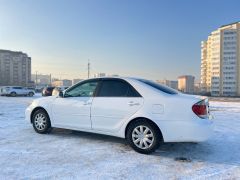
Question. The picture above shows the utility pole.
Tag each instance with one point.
(50, 79)
(36, 78)
(88, 69)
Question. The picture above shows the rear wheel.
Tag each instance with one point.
(41, 122)
(143, 136)
(13, 94)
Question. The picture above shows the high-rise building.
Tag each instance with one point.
(186, 84)
(220, 61)
(197, 88)
(15, 69)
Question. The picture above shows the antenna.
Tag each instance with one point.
(36, 78)
(50, 79)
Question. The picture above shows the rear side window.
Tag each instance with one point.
(132, 92)
(159, 87)
(116, 88)
(17, 87)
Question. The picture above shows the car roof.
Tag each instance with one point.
(15, 86)
(114, 77)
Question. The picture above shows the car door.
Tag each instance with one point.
(18, 90)
(25, 91)
(115, 102)
(73, 109)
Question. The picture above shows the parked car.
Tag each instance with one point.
(56, 90)
(39, 89)
(16, 91)
(47, 91)
(1, 90)
(142, 111)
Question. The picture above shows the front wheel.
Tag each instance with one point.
(143, 136)
(41, 122)
(13, 94)
(30, 94)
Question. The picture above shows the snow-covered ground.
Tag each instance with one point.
(66, 154)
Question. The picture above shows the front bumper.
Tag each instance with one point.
(28, 112)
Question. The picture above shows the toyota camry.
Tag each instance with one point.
(142, 111)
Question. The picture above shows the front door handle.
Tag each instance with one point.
(131, 103)
(87, 103)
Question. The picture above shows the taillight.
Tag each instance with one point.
(201, 109)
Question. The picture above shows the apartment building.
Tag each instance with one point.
(220, 61)
(169, 83)
(97, 75)
(15, 68)
(75, 81)
(64, 82)
(186, 84)
(41, 79)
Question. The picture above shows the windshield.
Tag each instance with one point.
(159, 87)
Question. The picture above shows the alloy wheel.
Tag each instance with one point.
(40, 121)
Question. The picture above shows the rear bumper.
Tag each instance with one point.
(197, 130)
(5, 93)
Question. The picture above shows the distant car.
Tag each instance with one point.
(142, 111)
(56, 90)
(47, 91)
(39, 89)
(1, 90)
(16, 91)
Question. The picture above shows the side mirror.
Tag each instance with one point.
(60, 94)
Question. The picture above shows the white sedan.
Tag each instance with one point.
(142, 111)
(16, 91)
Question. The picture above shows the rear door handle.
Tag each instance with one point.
(133, 103)
(87, 103)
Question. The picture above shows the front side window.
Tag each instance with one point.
(83, 90)
(117, 88)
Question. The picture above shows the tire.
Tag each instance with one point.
(31, 94)
(13, 94)
(41, 122)
(143, 136)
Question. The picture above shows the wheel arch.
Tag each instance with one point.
(146, 119)
(36, 109)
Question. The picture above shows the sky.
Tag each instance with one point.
(153, 39)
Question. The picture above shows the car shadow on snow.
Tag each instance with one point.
(122, 143)
(209, 151)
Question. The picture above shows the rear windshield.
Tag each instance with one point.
(159, 87)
